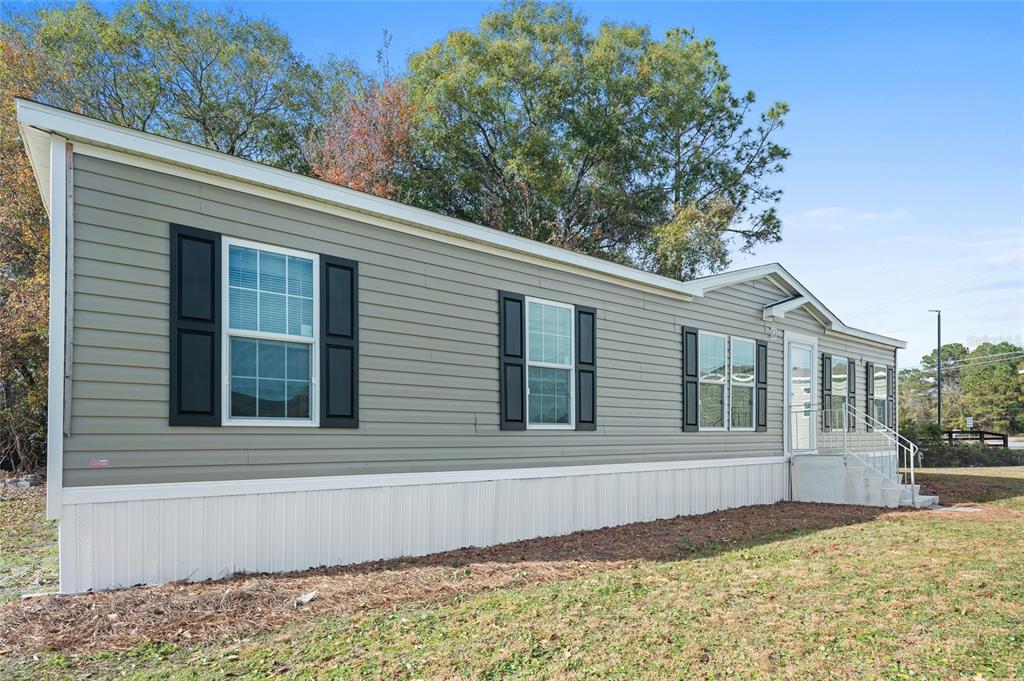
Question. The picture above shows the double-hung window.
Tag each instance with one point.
(550, 344)
(880, 401)
(840, 390)
(271, 300)
(727, 377)
(712, 375)
(741, 383)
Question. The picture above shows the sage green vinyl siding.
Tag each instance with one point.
(428, 349)
(860, 352)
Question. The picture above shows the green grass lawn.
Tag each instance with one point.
(930, 595)
(28, 544)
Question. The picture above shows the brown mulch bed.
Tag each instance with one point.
(973, 491)
(246, 604)
(966, 488)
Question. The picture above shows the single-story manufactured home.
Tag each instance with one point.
(252, 370)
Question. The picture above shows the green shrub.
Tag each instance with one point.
(944, 455)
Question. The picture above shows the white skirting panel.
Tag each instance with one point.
(109, 544)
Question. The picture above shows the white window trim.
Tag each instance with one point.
(226, 333)
(753, 387)
(846, 420)
(885, 398)
(724, 383)
(550, 365)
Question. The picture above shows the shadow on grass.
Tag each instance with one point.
(243, 604)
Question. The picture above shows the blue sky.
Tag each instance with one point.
(905, 188)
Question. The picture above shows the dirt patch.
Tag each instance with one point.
(243, 605)
(974, 489)
(968, 488)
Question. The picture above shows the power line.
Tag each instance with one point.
(972, 365)
(919, 295)
(968, 360)
(976, 358)
(1004, 360)
(979, 358)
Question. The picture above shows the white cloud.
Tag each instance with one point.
(841, 219)
(1010, 257)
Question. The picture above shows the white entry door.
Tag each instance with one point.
(801, 381)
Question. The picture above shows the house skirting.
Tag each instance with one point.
(120, 536)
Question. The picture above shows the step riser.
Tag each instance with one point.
(849, 480)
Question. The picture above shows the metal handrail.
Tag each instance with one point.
(894, 436)
(906, 452)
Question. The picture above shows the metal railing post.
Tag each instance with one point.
(846, 429)
(913, 487)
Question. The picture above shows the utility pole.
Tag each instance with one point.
(938, 367)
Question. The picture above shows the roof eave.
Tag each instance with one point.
(38, 121)
(76, 127)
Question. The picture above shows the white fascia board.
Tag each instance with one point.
(833, 325)
(701, 286)
(844, 331)
(253, 177)
(172, 152)
(778, 310)
(37, 148)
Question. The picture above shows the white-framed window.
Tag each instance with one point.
(550, 364)
(742, 368)
(726, 373)
(712, 379)
(840, 391)
(270, 360)
(880, 401)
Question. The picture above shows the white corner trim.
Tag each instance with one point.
(181, 490)
(69, 285)
(58, 290)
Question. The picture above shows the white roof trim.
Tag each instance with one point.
(801, 296)
(779, 309)
(102, 134)
(34, 117)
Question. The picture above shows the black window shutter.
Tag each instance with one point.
(826, 391)
(869, 390)
(586, 368)
(339, 342)
(690, 392)
(851, 390)
(761, 374)
(194, 344)
(512, 360)
(890, 386)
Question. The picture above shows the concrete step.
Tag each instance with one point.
(926, 501)
(920, 500)
(866, 485)
(890, 497)
(846, 479)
